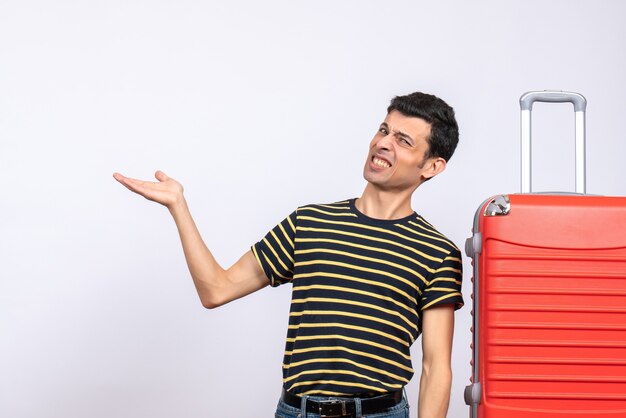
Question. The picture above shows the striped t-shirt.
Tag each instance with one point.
(359, 286)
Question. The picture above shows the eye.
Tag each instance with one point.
(405, 141)
(383, 131)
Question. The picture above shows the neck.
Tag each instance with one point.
(384, 204)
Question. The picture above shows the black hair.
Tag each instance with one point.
(444, 131)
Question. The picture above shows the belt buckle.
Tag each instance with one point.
(334, 408)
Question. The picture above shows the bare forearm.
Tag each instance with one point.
(208, 276)
(435, 392)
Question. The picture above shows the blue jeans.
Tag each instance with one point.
(401, 410)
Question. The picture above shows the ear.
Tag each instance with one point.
(433, 167)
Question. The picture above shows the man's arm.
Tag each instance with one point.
(438, 328)
(214, 284)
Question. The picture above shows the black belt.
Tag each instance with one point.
(344, 407)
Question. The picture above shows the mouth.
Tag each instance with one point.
(380, 162)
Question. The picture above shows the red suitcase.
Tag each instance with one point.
(549, 296)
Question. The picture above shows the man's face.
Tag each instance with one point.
(396, 156)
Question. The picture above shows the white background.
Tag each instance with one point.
(256, 107)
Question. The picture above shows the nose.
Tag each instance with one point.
(385, 142)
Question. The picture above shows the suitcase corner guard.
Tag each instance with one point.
(498, 206)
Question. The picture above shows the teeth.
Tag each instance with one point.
(381, 163)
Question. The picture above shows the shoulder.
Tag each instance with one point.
(432, 235)
(335, 208)
(340, 205)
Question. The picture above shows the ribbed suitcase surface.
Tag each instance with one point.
(551, 306)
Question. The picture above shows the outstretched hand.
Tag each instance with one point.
(166, 191)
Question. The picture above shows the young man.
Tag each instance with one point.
(369, 275)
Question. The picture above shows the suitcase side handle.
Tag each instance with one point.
(552, 96)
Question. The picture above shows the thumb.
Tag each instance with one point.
(161, 176)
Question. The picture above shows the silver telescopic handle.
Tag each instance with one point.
(580, 105)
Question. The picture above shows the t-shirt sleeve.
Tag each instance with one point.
(444, 286)
(275, 252)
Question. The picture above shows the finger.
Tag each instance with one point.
(130, 186)
(121, 179)
(134, 185)
(137, 182)
(117, 176)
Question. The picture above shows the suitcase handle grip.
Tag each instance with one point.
(551, 96)
(527, 99)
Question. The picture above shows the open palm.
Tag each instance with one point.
(166, 191)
